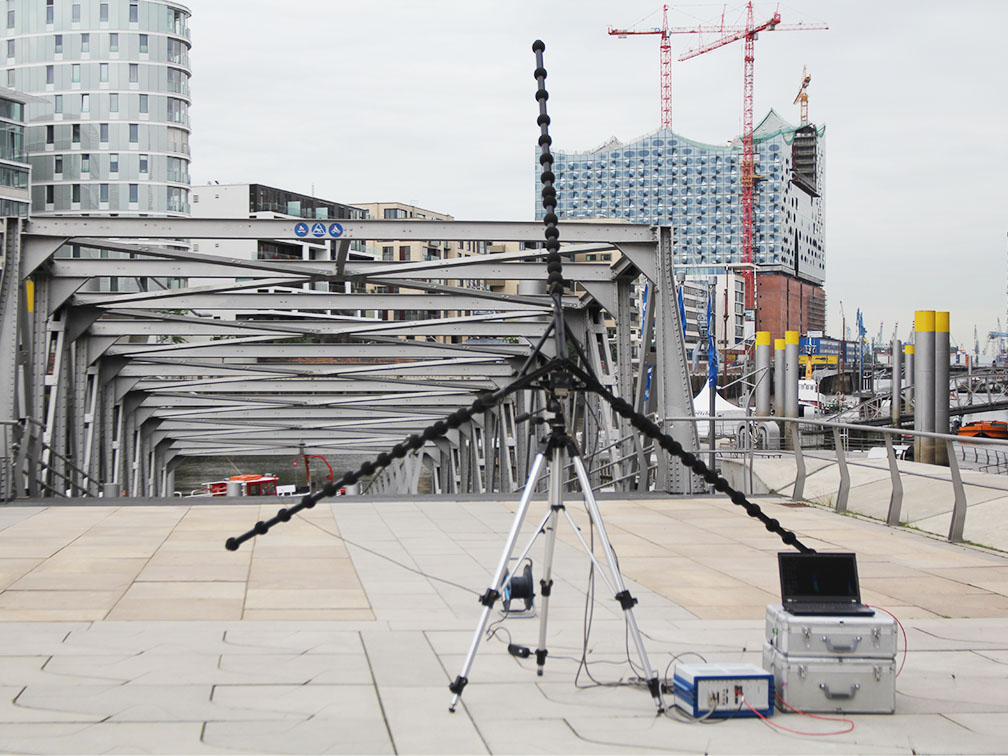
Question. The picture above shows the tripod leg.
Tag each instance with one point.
(546, 584)
(623, 595)
(494, 591)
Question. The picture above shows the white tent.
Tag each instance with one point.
(722, 407)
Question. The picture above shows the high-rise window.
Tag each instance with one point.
(103, 133)
(10, 19)
(144, 44)
(10, 78)
(143, 103)
(75, 73)
(58, 104)
(143, 164)
(103, 72)
(75, 133)
(49, 11)
(75, 13)
(10, 48)
(134, 133)
(113, 102)
(134, 73)
(113, 42)
(85, 103)
(50, 74)
(85, 163)
(50, 134)
(113, 162)
(134, 193)
(58, 165)
(75, 194)
(58, 42)
(103, 193)
(103, 12)
(85, 43)
(134, 12)
(49, 194)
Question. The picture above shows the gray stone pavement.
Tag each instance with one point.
(131, 630)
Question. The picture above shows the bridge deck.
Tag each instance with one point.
(130, 628)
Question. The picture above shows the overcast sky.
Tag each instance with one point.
(431, 102)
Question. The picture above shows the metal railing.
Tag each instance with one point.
(804, 436)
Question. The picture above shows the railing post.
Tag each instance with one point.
(799, 484)
(844, 489)
(896, 499)
(959, 507)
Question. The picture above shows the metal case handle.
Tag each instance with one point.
(839, 693)
(841, 647)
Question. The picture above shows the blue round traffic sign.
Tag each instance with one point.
(301, 229)
(335, 230)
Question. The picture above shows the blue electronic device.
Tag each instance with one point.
(722, 690)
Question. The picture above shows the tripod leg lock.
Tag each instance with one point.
(626, 600)
(545, 588)
(489, 599)
(541, 654)
(457, 686)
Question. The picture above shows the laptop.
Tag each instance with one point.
(821, 584)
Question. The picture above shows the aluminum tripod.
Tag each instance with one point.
(557, 445)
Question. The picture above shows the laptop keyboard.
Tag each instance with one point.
(826, 607)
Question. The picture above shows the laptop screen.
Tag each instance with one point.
(819, 577)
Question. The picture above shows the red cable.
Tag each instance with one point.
(902, 629)
(799, 732)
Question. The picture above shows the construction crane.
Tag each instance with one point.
(665, 49)
(748, 33)
(802, 96)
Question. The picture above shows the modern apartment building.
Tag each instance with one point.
(261, 201)
(15, 172)
(663, 178)
(111, 133)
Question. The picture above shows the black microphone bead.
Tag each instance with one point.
(547, 177)
(751, 509)
(439, 428)
(551, 233)
(739, 498)
(721, 485)
(350, 478)
(306, 500)
(231, 544)
(400, 450)
(284, 515)
(368, 468)
(545, 158)
(383, 459)
(772, 524)
(329, 489)
(539, 72)
(710, 477)
(538, 46)
(541, 95)
(543, 119)
(698, 467)
(260, 527)
(688, 459)
(545, 139)
(550, 218)
(789, 538)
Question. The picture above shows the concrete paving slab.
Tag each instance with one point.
(287, 672)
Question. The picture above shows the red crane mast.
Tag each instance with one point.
(729, 35)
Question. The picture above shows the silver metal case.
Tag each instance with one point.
(832, 685)
(830, 636)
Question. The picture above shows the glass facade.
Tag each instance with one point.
(14, 170)
(111, 135)
(665, 179)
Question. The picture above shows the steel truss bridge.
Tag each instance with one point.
(104, 392)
